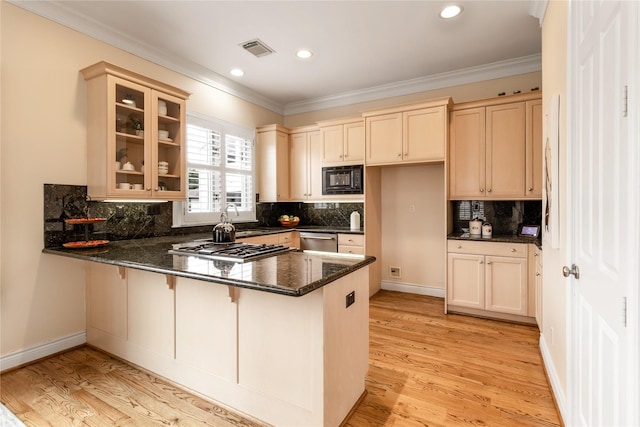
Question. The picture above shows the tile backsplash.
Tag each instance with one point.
(505, 216)
(137, 220)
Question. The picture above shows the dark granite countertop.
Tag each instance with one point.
(293, 273)
(310, 228)
(507, 238)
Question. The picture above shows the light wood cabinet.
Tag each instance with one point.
(305, 179)
(495, 149)
(533, 176)
(272, 166)
(139, 122)
(535, 283)
(289, 238)
(130, 306)
(268, 239)
(488, 276)
(414, 133)
(342, 141)
(351, 243)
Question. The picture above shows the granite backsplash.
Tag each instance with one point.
(505, 216)
(137, 220)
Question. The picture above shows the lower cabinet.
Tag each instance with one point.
(351, 244)
(290, 239)
(488, 276)
(535, 279)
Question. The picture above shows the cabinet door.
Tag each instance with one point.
(129, 135)
(384, 139)
(168, 133)
(534, 149)
(354, 142)
(299, 167)
(314, 152)
(465, 280)
(506, 285)
(272, 149)
(106, 301)
(467, 154)
(424, 134)
(332, 144)
(505, 150)
(151, 312)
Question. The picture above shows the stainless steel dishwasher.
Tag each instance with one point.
(326, 242)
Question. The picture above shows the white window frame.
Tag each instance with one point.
(182, 218)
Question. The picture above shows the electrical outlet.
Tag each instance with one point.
(351, 298)
(394, 271)
(119, 212)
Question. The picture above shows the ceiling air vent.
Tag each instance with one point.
(257, 47)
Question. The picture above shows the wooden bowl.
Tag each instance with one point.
(289, 224)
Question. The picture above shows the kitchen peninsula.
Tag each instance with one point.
(283, 339)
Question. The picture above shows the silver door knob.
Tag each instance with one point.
(566, 271)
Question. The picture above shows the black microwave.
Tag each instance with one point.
(343, 180)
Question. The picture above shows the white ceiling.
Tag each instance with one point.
(363, 50)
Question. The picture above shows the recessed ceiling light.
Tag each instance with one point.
(304, 54)
(450, 12)
(237, 72)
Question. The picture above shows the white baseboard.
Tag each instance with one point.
(558, 393)
(39, 351)
(413, 289)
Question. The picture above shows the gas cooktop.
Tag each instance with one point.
(237, 251)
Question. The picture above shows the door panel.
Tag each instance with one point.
(604, 200)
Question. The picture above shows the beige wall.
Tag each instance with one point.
(43, 134)
(461, 93)
(555, 289)
(413, 224)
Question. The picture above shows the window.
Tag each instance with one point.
(220, 169)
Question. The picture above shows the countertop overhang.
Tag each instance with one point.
(293, 273)
(506, 238)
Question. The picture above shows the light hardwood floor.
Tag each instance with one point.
(426, 369)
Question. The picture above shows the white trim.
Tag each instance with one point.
(552, 374)
(410, 288)
(495, 70)
(537, 9)
(39, 351)
(58, 12)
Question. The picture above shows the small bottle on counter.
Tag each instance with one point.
(355, 221)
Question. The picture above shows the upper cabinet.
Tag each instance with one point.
(136, 136)
(305, 173)
(342, 141)
(415, 133)
(272, 166)
(495, 149)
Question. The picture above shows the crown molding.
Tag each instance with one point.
(495, 70)
(537, 9)
(57, 11)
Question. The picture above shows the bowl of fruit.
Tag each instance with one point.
(288, 221)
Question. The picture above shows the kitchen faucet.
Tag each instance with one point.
(225, 213)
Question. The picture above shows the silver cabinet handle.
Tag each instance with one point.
(482, 190)
(319, 238)
(489, 190)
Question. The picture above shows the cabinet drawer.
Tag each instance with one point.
(351, 239)
(285, 238)
(348, 249)
(518, 250)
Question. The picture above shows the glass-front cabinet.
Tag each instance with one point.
(136, 136)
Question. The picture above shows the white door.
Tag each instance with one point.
(603, 213)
